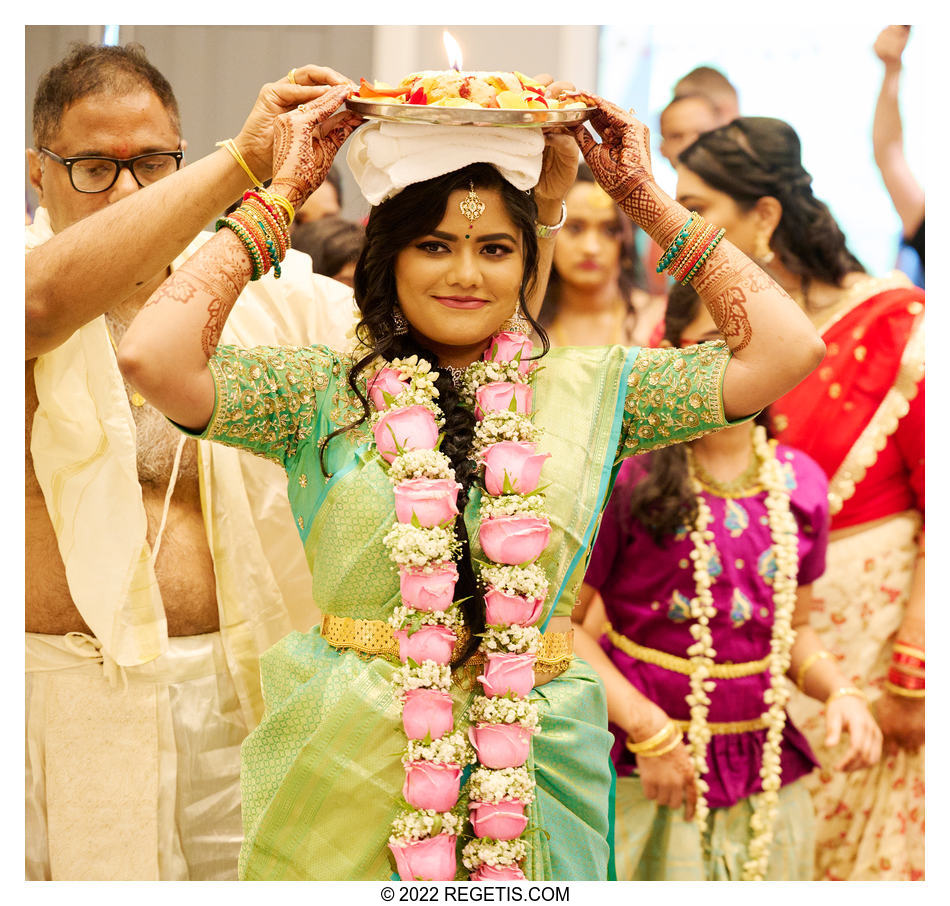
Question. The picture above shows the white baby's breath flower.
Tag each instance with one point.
(410, 545)
(529, 581)
(511, 505)
(489, 785)
(513, 639)
(420, 464)
(497, 853)
(421, 823)
(501, 710)
(502, 424)
(427, 675)
(451, 749)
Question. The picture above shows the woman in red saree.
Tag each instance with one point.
(860, 415)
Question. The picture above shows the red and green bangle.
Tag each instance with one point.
(257, 233)
(678, 242)
(702, 258)
(239, 230)
(691, 251)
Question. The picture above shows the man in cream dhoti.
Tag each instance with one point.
(157, 568)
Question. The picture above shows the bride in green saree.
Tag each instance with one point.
(447, 277)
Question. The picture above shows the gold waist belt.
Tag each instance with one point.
(732, 726)
(375, 637)
(682, 664)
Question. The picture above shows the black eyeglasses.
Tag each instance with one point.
(98, 174)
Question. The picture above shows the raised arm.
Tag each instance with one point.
(888, 133)
(66, 283)
(774, 345)
(166, 349)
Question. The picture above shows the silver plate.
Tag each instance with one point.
(466, 116)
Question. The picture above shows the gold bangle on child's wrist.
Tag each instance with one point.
(639, 747)
(656, 753)
(843, 691)
(809, 662)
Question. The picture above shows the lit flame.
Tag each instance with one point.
(452, 51)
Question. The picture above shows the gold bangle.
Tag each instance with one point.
(903, 693)
(236, 154)
(810, 661)
(637, 747)
(904, 648)
(283, 202)
(843, 691)
(672, 744)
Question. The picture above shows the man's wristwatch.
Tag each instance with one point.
(545, 231)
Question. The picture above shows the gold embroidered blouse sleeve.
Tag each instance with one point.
(268, 399)
(674, 395)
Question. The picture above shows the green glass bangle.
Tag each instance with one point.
(670, 253)
(257, 264)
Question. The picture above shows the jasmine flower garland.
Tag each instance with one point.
(773, 475)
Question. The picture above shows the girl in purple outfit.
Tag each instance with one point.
(698, 589)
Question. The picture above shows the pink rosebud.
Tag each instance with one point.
(510, 610)
(503, 820)
(514, 539)
(506, 673)
(516, 460)
(433, 501)
(386, 380)
(429, 859)
(407, 428)
(501, 745)
(432, 784)
(507, 346)
(426, 712)
(429, 643)
(430, 591)
(499, 394)
(488, 872)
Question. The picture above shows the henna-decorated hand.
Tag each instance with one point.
(306, 141)
(256, 138)
(620, 162)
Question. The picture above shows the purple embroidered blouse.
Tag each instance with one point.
(646, 590)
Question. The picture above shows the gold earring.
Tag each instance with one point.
(517, 323)
(472, 207)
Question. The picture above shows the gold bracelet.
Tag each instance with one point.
(810, 661)
(283, 202)
(236, 154)
(903, 693)
(638, 747)
(672, 744)
(904, 648)
(843, 691)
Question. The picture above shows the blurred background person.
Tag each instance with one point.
(595, 294)
(325, 202)
(860, 416)
(736, 485)
(683, 120)
(713, 84)
(333, 244)
(888, 136)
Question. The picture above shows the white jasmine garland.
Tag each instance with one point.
(411, 545)
(528, 581)
(420, 392)
(512, 639)
(502, 424)
(453, 748)
(427, 675)
(511, 505)
(497, 853)
(418, 824)
(784, 530)
(420, 464)
(488, 785)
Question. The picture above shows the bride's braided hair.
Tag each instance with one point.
(757, 156)
(392, 226)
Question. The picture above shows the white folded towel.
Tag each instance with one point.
(386, 157)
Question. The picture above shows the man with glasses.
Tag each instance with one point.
(157, 568)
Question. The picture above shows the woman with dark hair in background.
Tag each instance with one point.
(439, 384)
(737, 523)
(860, 415)
(595, 294)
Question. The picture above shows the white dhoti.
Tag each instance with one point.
(131, 773)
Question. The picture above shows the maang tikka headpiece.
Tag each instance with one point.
(471, 206)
